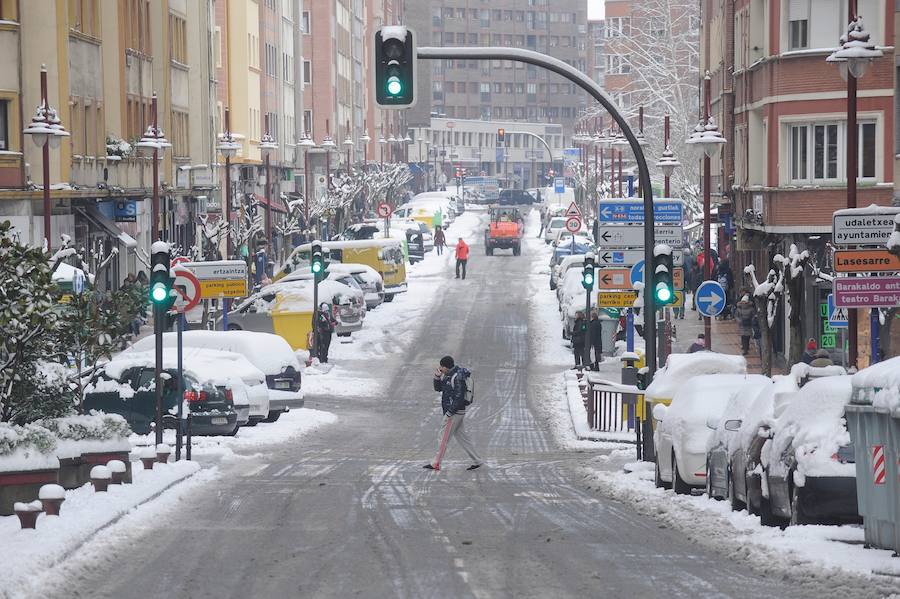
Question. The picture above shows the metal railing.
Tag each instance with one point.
(611, 406)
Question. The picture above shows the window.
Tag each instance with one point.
(271, 60)
(798, 24)
(4, 124)
(617, 65)
(617, 27)
(307, 72)
(178, 38)
(799, 152)
(825, 152)
(180, 139)
(818, 151)
(217, 46)
(137, 26)
(307, 122)
(867, 150)
(84, 17)
(304, 22)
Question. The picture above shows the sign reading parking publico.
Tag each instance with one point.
(625, 299)
(220, 278)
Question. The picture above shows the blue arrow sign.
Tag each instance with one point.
(632, 211)
(837, 317)
(559, 185)
(637, 273)
(710, 298)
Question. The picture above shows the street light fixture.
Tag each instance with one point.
(856, 51)
(267, 147)
(151, 145)
(667, 163)
(228, 147)
(307, 143)
(46, 132)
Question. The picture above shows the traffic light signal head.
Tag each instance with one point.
(663, 285)
(501, 136)
(161, 283)
(316, 258)
(395, 67)
(587, 274)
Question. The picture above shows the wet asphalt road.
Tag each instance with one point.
(348, 511)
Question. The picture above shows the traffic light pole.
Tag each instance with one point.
(158, 315)
(587, 84)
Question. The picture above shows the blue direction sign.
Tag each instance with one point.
(632, 211)
(710, 298)
(559, 185)
(837, 317)
(637, 273)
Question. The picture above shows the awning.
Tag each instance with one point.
(276, 205)
(98, 218)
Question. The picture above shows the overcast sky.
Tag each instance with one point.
(595, 9)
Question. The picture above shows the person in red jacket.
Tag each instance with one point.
(462, 257)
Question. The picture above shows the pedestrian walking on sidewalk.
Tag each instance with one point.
(744, 315)
(440, 240)
(579, 335)
(453, 383)
(726, 279)
(699, 344)
(324, 328)
(596, 338)
(810, 354)
(462, 257)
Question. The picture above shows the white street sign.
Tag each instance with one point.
(615, 236)
(628, 258)
(863, 226)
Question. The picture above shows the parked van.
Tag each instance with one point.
(384, 255)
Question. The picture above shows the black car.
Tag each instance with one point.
(513, 197)
(133, 397)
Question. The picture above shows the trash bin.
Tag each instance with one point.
(875, 433)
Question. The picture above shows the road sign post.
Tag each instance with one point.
(710, 300)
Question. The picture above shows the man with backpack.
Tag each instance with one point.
(457, 392)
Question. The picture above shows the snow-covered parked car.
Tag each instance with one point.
(571, 299)
(269, 353)
(554, 225)
(809, 463)
(745, 489)
(725, 439)
(126, 386)
(558, 271)
(358, 276)
(682, 432)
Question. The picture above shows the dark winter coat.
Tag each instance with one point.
(724, 276)
(579, 331)
(324, 323)
(439, 238)
(808, 357)
(743, 313)
(452, 387)
(596, 332)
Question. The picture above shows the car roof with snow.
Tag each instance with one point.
(709, 394)
(680, 368)
(327, 288)
(761, 410)
(740, 400)
(217, 367)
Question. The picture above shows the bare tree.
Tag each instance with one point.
(766, 295)
(661, 50)
(793, 267)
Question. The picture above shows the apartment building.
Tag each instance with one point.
(783, 110)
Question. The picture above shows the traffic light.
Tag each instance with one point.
(587, 274)
(395, 67)
(501, 136)
(316, 259)
(161, 283)
(663, 286)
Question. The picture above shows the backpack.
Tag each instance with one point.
(723, 281)
(468, 390)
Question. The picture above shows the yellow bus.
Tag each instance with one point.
(384, 255)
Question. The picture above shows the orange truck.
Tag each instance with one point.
(504, 231)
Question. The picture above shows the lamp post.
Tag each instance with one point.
(667, 163)
(618, 143)
(307, 143)
(407, 141)
(46, 130)
(348, 145)
(268, 146)
(228, 147)
(707, 136)
(364, 139)
(853, 57)
(150, 145)
(381, 143)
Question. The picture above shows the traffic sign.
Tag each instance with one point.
(867, 292)
(187, 288)
(613, 278)
(573, 210)
(630, 257)
(637, 275)
(632, 211)
(613, 236)
(573, 224)
(863, 226)
(837, 317)
(866, 261)
(179, 260)
(710, 298)
(384, 210)
(559, 185)
(220, 278)
(625, 299)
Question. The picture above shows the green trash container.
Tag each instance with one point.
(876, 439)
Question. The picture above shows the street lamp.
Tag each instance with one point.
(853, 57)
(150, 145)
(381, 143)
(328, 145)
(407, 140)
(618, 143)
(46, 131)
(307, 143)
(707, 137)
(228, 147)
(267, 147)
(348, 145)
(667, 162)
(364, 139)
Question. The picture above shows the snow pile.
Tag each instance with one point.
(91, 433)
(206, 365)
(680, 368)
(29, 447)
(801, 371)
(813, 424)
(879, 384)
(124, 390)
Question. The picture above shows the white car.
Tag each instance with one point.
(367, 278)
(559, 271)
(564, 238)
(455, 202)
(571, 296)
(554, 226)
(682, 434)
(422, 210)
(270, 353)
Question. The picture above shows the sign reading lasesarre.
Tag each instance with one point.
(220, 278)
(864, 226)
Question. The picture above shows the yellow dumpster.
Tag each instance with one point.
(294, 327)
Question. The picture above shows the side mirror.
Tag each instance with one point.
(659, 412)
(732, 425)
(712, 423)
(765, 432)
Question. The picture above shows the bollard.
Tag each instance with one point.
(118, 470)
(28, 513)
(148, 457)
(100, 477)
(52, 497)
(163, 452)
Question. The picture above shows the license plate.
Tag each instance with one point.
(282, 384)
(219, 420)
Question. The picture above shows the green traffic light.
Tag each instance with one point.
(159, 293)
(317, 267)
(394, 87)
(663, 293)
(589, 279)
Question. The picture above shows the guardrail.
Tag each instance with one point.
(611, 406)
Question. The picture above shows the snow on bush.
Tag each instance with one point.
(28, 447)
(680, 368)
(92, 433)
